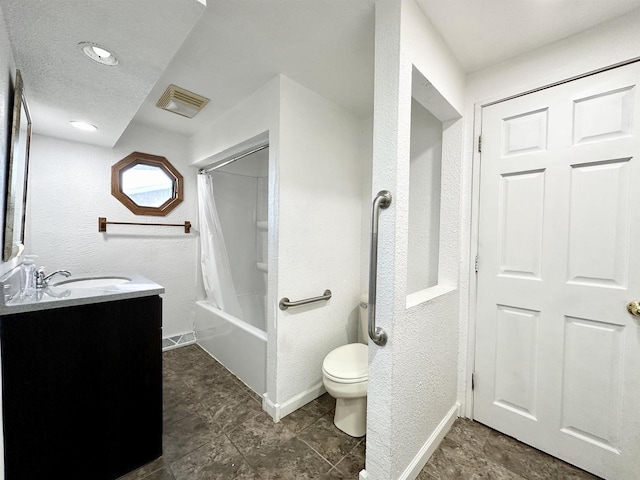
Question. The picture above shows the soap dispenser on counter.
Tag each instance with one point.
(28, 287)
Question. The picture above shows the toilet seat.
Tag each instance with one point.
(347, 364)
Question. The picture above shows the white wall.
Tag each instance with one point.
(607, 44)
(319, 234)
(412, 379)
(366, 167)
(70, 187)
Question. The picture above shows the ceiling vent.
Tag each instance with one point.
(181, 101)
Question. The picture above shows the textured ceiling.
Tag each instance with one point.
(236, 46)
(484, 32)
(62, 84)
(326, 45)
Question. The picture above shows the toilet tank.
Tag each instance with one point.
(364, 320)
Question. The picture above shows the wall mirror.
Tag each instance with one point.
(146, 184)
(17, 172)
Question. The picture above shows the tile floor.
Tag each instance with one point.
(214, 428)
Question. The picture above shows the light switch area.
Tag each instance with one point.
(424, 199)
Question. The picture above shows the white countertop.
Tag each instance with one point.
(67, 296)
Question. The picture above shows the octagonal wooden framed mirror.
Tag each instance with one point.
(147, 184)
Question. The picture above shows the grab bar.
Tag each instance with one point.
(286, 303)
(382, 200)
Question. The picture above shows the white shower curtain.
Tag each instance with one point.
(216, 269)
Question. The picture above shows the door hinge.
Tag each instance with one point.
(479, 143)
(473, 381)
(476, 264)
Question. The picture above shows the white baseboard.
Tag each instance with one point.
(280, 410)
(430, 446)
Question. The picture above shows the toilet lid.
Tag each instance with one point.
(349, 362)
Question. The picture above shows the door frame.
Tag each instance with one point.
(475, 211)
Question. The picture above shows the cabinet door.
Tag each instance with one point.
(82, 389)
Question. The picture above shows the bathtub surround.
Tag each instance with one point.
(231, 323)
(234, 343)
(314, 227)
(241, 197)
(74, 188)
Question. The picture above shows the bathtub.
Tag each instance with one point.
(238, 345)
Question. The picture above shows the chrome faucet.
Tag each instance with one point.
(42, 281)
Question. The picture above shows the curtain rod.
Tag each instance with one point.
(231, 160)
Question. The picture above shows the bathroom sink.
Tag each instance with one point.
(92, 282)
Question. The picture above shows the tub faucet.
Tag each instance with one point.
(42, 281)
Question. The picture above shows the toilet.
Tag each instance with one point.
(345, 372)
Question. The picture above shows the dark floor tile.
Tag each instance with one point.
(212, 378)
(235, 413)
(304, 416)
(291, 459)
(569, 472)
(326, 402)
(188, 434)
(162, 474)
(425, 476)
(218, 459)
(180, 353)
(325, 438)
(248, 474)
(469, 433)
(452, 460)
(215, 395)
(170, 377)
(522, 459)
(255, 397)
(145, 470)
(258, 435)
(335, 474)
(353, 462)
(177, 409)
(183, 358)
(205, 374)
(172, 394)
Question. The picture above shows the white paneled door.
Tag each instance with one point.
(558, 354)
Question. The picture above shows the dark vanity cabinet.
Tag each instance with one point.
(82, 389)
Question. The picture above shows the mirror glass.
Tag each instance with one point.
(147, 185)
(16, 196)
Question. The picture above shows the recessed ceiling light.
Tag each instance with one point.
(80, 125)
(99, 54)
